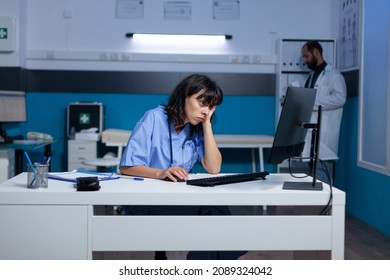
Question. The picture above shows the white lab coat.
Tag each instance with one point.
(331, 95)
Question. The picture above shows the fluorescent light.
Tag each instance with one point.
(177, 37)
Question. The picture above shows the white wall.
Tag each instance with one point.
(93, 38)
(16, 10)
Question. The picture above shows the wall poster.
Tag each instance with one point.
(349, 36)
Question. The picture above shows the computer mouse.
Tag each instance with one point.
(177, 178)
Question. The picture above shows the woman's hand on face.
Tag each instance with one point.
(208, 117)
(174, 174)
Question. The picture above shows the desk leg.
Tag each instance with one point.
(18, 161)
(261, 162)
(90, 214)
(338, 232)
(261, 159)
(253, 160)
(254, 168)
(48, 153)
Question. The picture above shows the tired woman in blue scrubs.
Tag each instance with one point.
(169, 140)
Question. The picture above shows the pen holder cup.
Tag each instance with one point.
(37, 177)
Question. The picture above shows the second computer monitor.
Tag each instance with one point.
(290, 135)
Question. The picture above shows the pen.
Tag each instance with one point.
(138, 179)
(131, 178)
(30, 163)
(32, 169)
(48, 160)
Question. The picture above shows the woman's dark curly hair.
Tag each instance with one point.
(211, 96)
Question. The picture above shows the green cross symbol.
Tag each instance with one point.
(85, 118)
(3, 33)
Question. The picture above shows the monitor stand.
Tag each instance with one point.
(314, 153)
(307, 186)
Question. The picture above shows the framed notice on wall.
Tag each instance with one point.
(130, 9)
(177, 10)
(349, 36)
(226, 10)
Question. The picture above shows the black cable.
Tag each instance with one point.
(290, 171)
(326, 210)
(328, 206)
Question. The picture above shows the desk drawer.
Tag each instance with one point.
(81, 166)
(77, 146)
(79, 157)
(79, 151)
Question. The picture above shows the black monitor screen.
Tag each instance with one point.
(290, 135)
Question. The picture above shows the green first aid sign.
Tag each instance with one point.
(3, 33)
(84, 118)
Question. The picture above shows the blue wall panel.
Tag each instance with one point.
(46, 113)
(367, 192)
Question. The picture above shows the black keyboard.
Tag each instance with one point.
(227, 179)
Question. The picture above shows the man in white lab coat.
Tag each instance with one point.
(331, 95)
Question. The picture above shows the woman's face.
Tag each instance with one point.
(196, 112)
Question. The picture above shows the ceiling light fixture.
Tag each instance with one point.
(157, 37)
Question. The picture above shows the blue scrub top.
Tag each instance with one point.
(149, 143)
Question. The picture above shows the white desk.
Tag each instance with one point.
(246, 141)
(59, 222)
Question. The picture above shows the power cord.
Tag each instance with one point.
(327, 209)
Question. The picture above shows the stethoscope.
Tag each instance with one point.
(191, 140)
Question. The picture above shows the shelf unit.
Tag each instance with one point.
(291, 69)
(80, 151)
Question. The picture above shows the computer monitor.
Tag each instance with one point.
(293, 125)
(12, 109)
